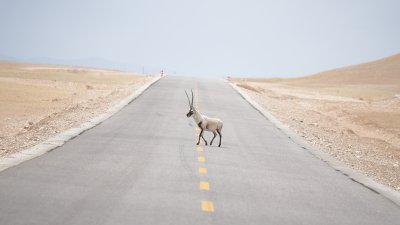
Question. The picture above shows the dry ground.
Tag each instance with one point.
(38, 101)
(352, 113)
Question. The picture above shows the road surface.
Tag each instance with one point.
(142, 166)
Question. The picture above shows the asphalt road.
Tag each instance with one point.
(142, 166)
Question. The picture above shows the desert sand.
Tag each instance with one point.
(39, 101)
(352, 113)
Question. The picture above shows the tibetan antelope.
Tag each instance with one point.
(213, 125)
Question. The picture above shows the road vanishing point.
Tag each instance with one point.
(141, 166)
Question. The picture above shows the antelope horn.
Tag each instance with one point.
(192, 97)
(190, 105)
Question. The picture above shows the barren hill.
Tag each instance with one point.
(384, 71)
(372, 81)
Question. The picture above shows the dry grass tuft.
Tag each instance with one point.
(248, 87)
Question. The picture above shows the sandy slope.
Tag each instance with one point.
(38, 101)
(353, 113)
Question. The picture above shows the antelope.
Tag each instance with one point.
(213, 125)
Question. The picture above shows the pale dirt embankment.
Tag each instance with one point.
(351, 113)
(39, 101)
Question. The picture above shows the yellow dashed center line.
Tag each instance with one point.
(202, 170)
(204, 185)
(201, 159)
(207, 206)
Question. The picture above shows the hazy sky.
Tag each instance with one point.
(205, 38)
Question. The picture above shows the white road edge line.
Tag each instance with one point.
(61, 138)
(384, 190)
